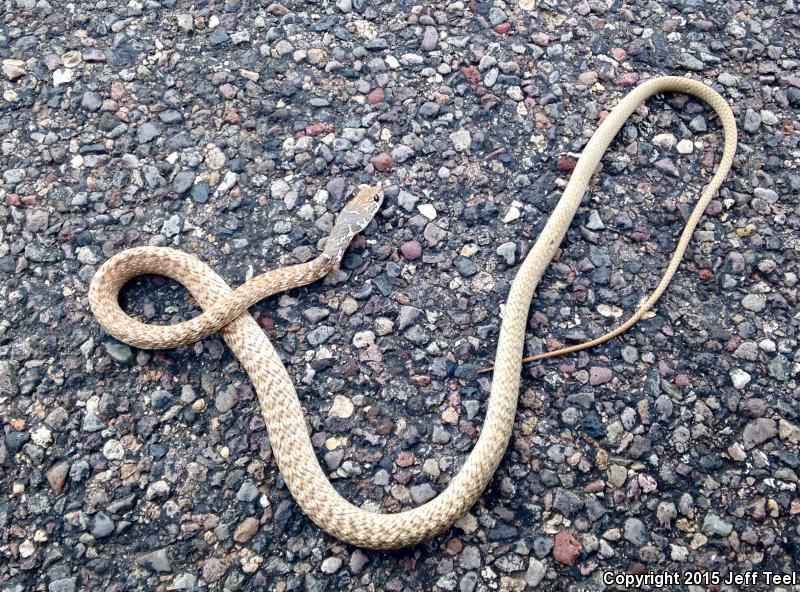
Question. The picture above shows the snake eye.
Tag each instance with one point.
(376, 198)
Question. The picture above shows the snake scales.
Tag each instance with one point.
(225, 311)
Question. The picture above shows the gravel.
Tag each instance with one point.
(235, 131)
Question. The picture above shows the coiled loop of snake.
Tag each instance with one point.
(225, 310)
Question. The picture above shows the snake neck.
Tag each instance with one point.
(324, 263)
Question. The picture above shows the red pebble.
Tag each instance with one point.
(566, 163)
(567, 548)
(382, 162)
(316, 129)
(628, 79)
(411, 250)
(376, 96)
(453, 547)
(472, 74)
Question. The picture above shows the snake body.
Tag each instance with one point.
(225, 311)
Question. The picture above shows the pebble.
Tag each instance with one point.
(102, 526)
(567, 548)
(147, 132)
(113, 450)
(507, 251)
(342, 407)
(358, 561)
(411, 250)
(382, 162)
(759, 430)
(246, 530)
(739, 378)
(422, 493)
(600, 375)
(213, 570)
(635, 532)
(754, 302)
(157, 561)
(57, 476)
(595, 222)
(713, 525)
(331, 565)
(461, 140)
(183, 182)
(428, 211)
(430, 39)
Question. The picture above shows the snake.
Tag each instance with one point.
(224, 310)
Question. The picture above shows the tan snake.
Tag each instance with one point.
(225, 310)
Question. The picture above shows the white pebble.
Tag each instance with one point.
(740, 378)
(512, 214)
(428, 211)
(62, 76)
(114, 450)
(342, 407)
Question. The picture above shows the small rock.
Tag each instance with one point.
(358, 560)
(201, 192)
(713, 525)
(689, 62)
(428, 211)
(508, 252)
(635, 532)
(788, 431)
(13, 69)
(60, 585)
(739, 378)
(759, 430)
(147, 132)
(331, 565)
(157, 561)
(567, 548)
(218, 36)
(342, 407)
(429, 39)
(320, 335)
(91, 101)
(461, 140)
(411, 250)
(226, 399)
(422, 493)
(14, 176)
(183, 182)
(213, 570)
(102, 526)
(600, 375)
(595, 222)
(382, 162)
(57, 476)
(215, 157)
(754, 302)
(62, 76)
(114, 450)
(247, 529)
(752, 120)
(536, 572)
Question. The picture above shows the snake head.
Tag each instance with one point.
(365, 204)
(354, 217)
